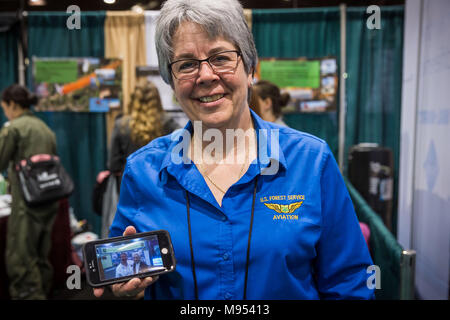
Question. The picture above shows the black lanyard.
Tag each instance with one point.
(248, 244)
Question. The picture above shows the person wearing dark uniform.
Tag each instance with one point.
(29, 229)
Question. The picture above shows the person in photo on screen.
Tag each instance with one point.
(125, 267)
(139, 266)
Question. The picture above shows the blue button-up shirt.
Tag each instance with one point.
(306, 242)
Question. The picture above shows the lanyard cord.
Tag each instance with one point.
(249, 239)
(248, 243)
(190, 245)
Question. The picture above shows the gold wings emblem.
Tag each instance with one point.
(294, 206)
(284, 208)
(274, 206)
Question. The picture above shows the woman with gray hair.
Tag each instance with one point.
(267, 217)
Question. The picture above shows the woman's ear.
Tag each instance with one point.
(7, 104)
(266, 104)
(250, 80)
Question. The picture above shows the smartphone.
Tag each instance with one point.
(119, 259)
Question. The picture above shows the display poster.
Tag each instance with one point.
(311, 83)
(77, 84)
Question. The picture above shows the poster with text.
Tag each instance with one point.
(311, 83)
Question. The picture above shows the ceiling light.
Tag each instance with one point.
(137, 8)
(152, 4)
(37, 2)
(109, 1)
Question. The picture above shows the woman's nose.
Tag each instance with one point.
(206, 74)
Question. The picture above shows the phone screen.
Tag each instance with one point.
(128, 257)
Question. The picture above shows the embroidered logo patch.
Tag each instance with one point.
(284, 211)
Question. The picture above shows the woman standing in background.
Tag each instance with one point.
(146, 122)
(28, 240)
(135, 130)
(271, 101)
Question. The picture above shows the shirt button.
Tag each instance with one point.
(224, 218)
(226, 256)
(228, 296)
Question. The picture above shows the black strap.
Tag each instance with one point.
(249, 239)
(190, 245)
(248, 243)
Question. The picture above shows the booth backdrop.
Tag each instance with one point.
(374, 68)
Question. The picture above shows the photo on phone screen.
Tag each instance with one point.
(121, 258)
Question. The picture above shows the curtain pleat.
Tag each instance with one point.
(8, 61)
(125, 38)
(374, 83)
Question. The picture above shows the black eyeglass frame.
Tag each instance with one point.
(200, 61)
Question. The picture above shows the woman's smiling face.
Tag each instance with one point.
(218, 100)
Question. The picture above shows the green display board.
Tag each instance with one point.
(291, 73)
(311, 83)
(54, 71)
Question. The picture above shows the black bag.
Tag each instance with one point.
(43, 179)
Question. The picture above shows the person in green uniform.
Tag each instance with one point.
(28, 240)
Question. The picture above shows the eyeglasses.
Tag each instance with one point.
(221, 62)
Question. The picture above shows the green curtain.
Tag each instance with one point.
(374, 68)
(81, 137)
(374, 83)
(309, 33)
(384, 248)
(8, 61)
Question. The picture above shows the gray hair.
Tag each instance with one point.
(223, 18)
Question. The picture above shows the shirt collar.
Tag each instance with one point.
(270, 154)
(26, 112)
